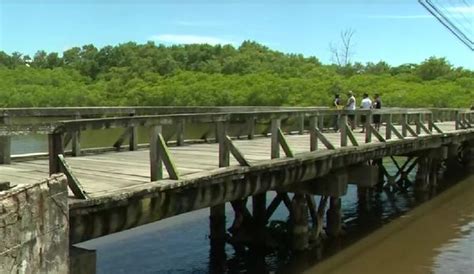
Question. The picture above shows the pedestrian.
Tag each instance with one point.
(365, 104)
(377, 105)
(351, 105)
(337, 104)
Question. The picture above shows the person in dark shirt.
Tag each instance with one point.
(337, 104)
(376, 117)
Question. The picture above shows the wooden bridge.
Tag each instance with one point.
(243, 152)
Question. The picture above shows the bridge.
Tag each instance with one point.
(240, 152)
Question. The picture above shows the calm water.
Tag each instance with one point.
(383, 234)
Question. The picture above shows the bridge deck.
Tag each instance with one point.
(113, 172)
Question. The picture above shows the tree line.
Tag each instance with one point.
(200, 74)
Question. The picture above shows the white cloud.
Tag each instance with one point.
(189, 39)
(420, 16)
(463, 10)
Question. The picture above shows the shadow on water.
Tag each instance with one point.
(181, 244)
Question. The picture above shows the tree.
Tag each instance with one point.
(342, 53)
(433, 68)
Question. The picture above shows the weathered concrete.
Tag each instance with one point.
(363, 175)
(34, 228)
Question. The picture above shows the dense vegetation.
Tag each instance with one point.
(252, 74)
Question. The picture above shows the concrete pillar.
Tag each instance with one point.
(423, 174)
(452, 163)
(259, 210)
(217, 237)
(82, 261)
(299, 223)
(469, 155)
(334, 217)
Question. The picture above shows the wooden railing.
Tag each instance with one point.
(399, 123)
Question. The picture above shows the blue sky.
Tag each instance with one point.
(394, 31)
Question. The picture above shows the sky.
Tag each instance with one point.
(395, 31)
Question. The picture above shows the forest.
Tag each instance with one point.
(132, 74)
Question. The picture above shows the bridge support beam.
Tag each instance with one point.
(452, 162)
(299, 223)
(334, 217)
(217, 237)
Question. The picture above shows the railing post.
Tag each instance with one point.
(388, 127)
(457, 124)
(224, 159)
(419, 121)
(5, 141)
(275, 147)
(76, 140)
(251, 127)
(404, 125)
(313, 139)
(431, 121)
(180, 133)
(368, 129)
(343, 129)
(133, 140)
(321, 123)
(156, 162)
(55, 147)
(301, 124)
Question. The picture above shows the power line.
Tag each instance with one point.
(443, 19)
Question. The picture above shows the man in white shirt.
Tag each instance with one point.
(351, 105)
(366, 103)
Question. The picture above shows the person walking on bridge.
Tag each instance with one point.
(377, 105)
(365, 104)
(337, 104)
(351, 105)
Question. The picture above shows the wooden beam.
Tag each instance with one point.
(395, 131)
(273, 206)
(236, 152)
(72, 180)
(275, 144)
(411, 131)
(180, 127)
(343, 127)
(122, 138)
(221, 133)
(313, 138)
(351, 136)
(324, 140)
(156, 162)
(284, 144)
(166, 158)
(55, 147)
(388, 127)
(376, 134)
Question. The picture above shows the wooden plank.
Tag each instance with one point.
(324, 140)
(351, 136)
(275, 144)
(236, 152)
(313, 139)
(224, 158)
(72, 181)
(376, 133)
(55, 147)
(284, 144)
(156, 161)
(395, 131)
(166, 158)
